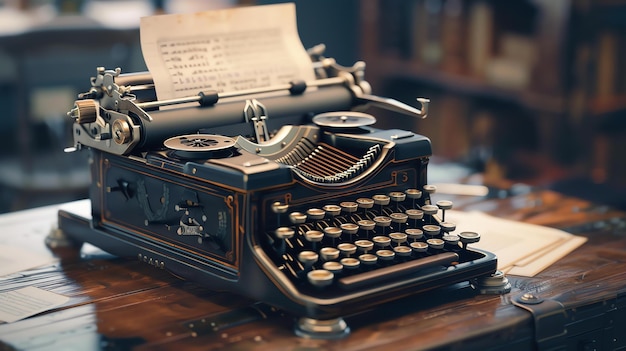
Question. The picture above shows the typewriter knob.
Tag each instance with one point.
(84, 111)
(121, 132)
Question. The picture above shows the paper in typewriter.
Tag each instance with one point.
(224, 50)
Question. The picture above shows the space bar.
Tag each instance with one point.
(390, 272)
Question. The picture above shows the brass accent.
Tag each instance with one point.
(121, 132)
(84, 111)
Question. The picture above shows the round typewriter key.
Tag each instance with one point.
(368, 259)
(431, 229)
(277, 207)
(349, 206)
(413, 193)
(414, 233)
(364, 202)
(364, 245)
(385, 255)
(320, 277)
(382, 221)
(350, 263)
(447, 226)
(397, 196)
(431, 189)
(381, 241)
(347, 249)
(451, 239)
(444, 204)
(329, 253)
(366, 224)
(468, 238)
(297, 217)
(332, 210)
(284, 233)
(398, 238)
(308, 258)
(430, 209)
(436, 244)
(332, 232)
(332, 266)
(380, 199)
(315, 213)
(349, 228)
(402, 251)
(419, 246)
(400, 218)
(313, 236)
(414, 214)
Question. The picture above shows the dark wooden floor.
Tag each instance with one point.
(120, 304)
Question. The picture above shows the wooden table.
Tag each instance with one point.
(119, 304)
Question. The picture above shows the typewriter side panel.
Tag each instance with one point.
(167, 217)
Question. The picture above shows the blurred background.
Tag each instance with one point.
(522, 91)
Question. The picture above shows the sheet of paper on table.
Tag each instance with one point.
(522, 248)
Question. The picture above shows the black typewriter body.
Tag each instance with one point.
(315, 212)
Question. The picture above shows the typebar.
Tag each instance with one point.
(391, 272)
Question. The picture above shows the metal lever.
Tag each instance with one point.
(395, 105)
(256, 113)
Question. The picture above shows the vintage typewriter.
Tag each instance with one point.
(286, 195)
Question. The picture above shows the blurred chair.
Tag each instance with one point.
(54, 62)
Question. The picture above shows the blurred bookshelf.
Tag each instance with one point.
(517, 87)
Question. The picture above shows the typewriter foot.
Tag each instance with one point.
(57, 239)
(495, 284)
(322, 329)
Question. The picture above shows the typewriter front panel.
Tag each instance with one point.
(170, 214)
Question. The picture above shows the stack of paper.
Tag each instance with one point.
(523, 249)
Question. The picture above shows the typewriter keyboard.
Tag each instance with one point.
(367, 241)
